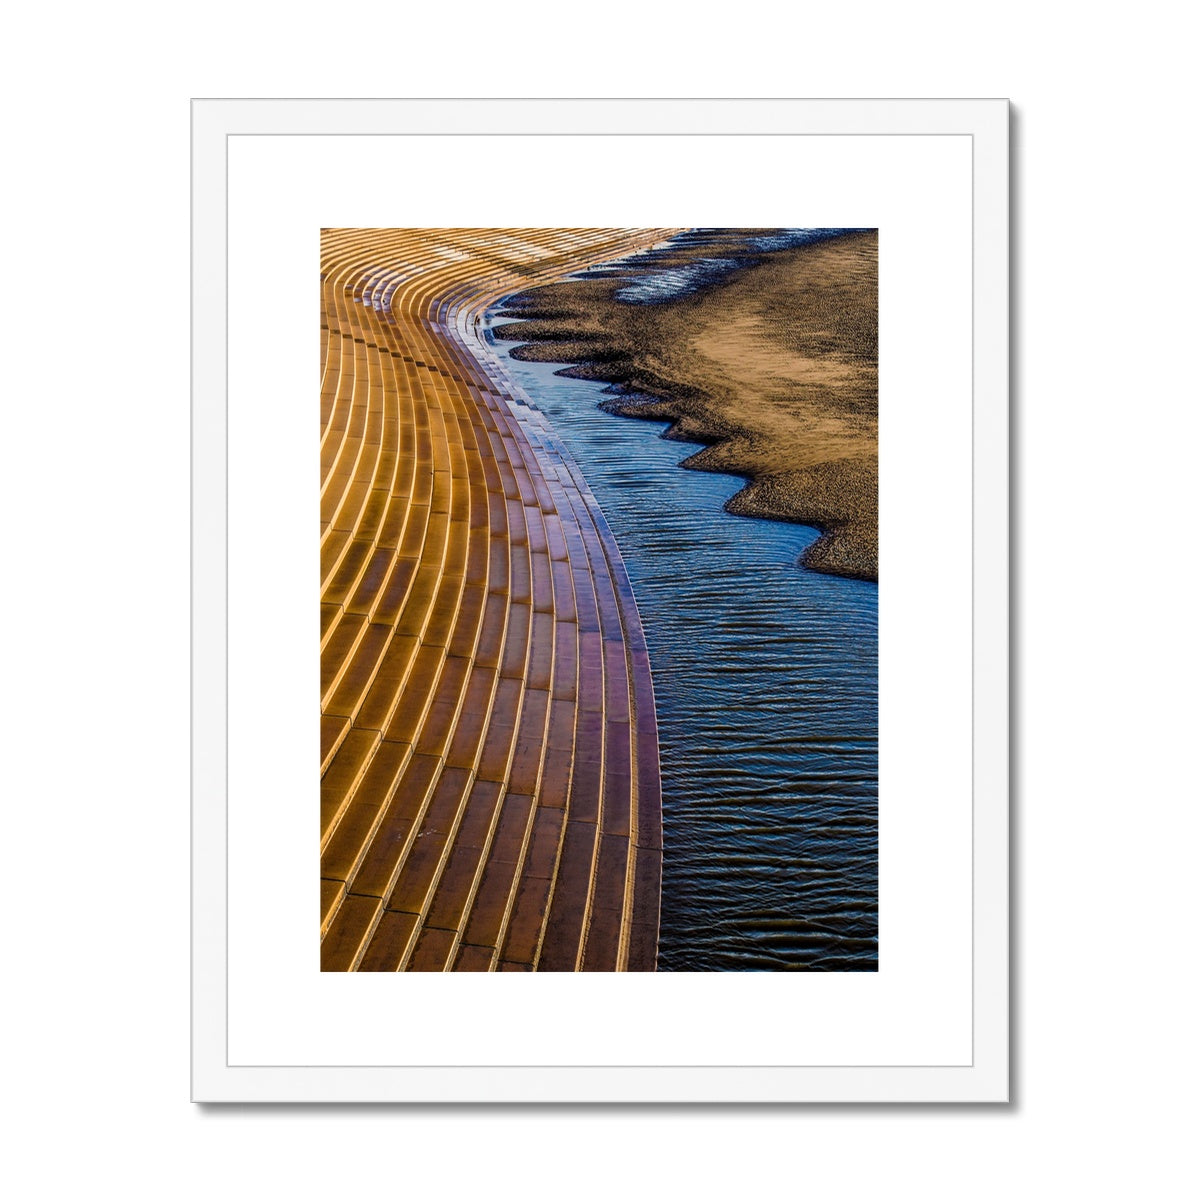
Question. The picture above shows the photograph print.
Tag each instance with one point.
(599, 599)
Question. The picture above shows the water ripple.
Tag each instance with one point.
(765, 680)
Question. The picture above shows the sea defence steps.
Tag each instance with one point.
(490, 793)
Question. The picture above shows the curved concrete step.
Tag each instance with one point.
(489, 751)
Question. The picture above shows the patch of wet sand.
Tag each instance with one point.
(774, 370)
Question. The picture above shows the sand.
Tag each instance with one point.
(774, 371)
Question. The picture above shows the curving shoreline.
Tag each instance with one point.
(765, 683)
(771, 366)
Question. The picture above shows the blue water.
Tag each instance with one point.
(765, 680)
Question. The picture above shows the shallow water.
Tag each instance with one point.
(765, 682)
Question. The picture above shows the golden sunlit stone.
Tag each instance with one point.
(490, 783)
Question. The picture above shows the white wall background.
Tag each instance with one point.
(95, 469)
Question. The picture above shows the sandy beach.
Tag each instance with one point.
(772, 369)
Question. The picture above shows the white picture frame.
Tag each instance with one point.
(257, 161)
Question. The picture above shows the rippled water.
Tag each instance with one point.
(765, 680)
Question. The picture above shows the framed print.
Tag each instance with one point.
(600, 583)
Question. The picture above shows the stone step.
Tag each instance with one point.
(489, 749)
